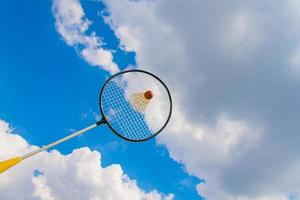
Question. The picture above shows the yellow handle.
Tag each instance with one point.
(5, 165)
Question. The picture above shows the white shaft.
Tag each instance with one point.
(59, 141)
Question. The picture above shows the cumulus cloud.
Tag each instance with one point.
(78, 175)
(41, 188)
(71, 23)
(228, 65)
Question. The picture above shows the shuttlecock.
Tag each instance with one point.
(140, 100)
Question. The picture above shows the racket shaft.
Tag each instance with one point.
(59, 141)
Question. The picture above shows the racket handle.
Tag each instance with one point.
(5, 165)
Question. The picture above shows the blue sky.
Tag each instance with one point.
(50, 91)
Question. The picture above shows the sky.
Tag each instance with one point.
(233, 69)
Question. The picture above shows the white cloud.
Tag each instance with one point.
(78, 175)
(41, 191)
(99, 57)
(205, 150)
(235, 106)
(131, 43)
(71, 23)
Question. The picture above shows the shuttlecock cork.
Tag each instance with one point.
(140, 100)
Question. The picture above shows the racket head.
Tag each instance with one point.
(119, 113)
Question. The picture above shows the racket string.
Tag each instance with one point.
(126, 121)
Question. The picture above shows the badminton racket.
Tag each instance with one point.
(135, 104)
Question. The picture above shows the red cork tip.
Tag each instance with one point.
(148, 94)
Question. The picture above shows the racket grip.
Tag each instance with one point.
(5, 165)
